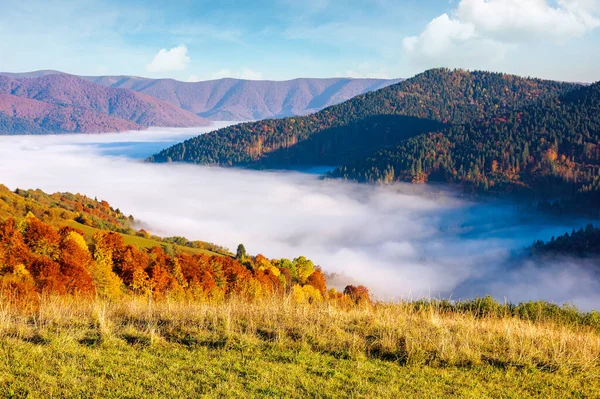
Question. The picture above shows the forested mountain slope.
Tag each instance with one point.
(582, 243)
(364, 124)
(551, 148)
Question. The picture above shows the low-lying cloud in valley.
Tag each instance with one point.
(401, 241)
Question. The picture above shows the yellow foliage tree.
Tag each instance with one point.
(108, 284)
(306, 294)
(304, 268)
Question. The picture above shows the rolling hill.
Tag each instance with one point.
(58, 103)
(231, 99)
(358, 127)
(242, 100)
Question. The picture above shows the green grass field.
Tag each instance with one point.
(133, 349)
(116, 369)
(140, 242)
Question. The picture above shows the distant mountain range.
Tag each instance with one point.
(242, 100)
(222, 99)
(61, 103)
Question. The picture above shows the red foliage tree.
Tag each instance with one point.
(198, 272)
(158, 271)
(40, 237)
(130, 265)
(237, 277)
(269, 281)
(13, 247)
(74, 260)
(359, 294)
(47, 275)
(317, 280)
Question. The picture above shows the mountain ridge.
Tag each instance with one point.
(239, 99)
(65, 103)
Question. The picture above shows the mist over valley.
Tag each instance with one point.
(402, 241)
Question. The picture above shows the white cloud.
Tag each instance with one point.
(484, 30)
(194, 78)
(451, 41)
(439, 36)
(521, 19)
(175, 59)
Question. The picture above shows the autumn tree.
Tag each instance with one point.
(75, 262)
(108, 284)
(359, 294)
(158, 271)
(317, 280)
(130, 265)
(304, 268)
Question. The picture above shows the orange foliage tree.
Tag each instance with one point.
(36, 257)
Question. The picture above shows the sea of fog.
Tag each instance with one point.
(401, 241)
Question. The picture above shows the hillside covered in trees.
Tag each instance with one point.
(356, 128)
(582, 243)
(40, 252)
(550, 149)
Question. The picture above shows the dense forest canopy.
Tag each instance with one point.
(584, 242)
(550, 149)
(366, 123)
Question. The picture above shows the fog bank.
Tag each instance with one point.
(402, 241)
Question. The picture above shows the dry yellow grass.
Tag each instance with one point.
(132, 348)
(390, 332)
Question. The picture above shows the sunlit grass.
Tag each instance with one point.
(135, 348)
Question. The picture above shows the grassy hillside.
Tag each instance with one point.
(54, 208)
(90, 216)
(366, 123)
(86, 311)
(285, 349)
(139, 242)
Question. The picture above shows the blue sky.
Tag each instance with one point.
(284, 39)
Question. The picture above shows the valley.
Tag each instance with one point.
(300, 199)
(367, 234)
(402, 241)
